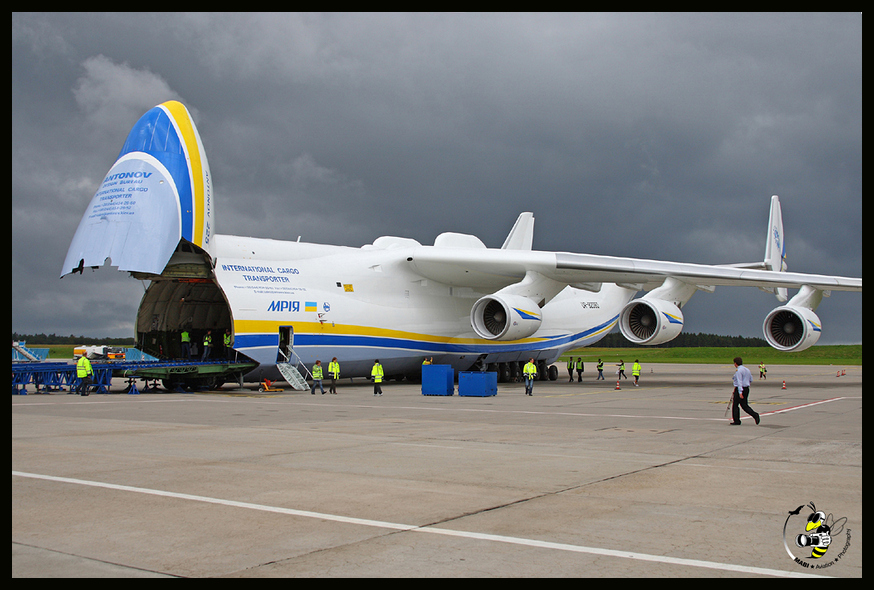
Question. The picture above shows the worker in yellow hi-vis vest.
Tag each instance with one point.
(84, 372)
(377, 374)
(530, 372)
(185, 338)
(207, 345)
(318, 375)
(334, 372)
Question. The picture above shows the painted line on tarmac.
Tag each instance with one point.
(811, 404)
(730, 567)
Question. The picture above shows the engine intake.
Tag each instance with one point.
(792, 329)
(650, 321)
(505, 317)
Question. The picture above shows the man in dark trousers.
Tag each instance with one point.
(741, 395)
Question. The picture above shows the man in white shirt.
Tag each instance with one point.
(741, 396)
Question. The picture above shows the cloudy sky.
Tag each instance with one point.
(644, 135)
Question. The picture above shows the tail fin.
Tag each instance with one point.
(158, 192)
(775, 245)
(521, 237)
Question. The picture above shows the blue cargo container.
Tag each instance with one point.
(476, 384)
(437, 380)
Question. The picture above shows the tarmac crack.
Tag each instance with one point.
(93, 560)
(532, 498)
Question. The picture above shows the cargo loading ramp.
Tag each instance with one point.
(174, 374)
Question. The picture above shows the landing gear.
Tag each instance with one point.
(512, 372)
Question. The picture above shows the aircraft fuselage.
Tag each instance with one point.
(362, 304)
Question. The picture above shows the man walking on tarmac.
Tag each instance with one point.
(84, 372)
(318, 375)
(334, 372)
(377, 374)
(741, 395)
(530, 372)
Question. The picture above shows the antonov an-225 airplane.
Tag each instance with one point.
(395, 300)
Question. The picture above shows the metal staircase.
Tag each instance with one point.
(293, 376)
(291, 373)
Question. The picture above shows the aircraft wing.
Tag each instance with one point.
(491, 268)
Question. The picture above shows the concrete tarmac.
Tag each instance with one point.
(580, 479)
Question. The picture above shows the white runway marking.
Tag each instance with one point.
(427, 529)
(825, 401)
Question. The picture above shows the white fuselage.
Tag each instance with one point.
(362, 304)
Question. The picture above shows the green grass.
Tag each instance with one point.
(816, 355)
(57, 351)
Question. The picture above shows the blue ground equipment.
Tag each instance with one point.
(438, 380)
(477, 384)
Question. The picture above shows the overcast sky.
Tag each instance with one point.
(644, 135)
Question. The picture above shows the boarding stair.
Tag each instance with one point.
(291, 373)
(18, 347)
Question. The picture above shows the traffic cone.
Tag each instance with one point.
(784, 384)
(839, 374)
(843, 372)
(617, 385)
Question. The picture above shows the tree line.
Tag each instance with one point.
(71, 339)
(697, 340)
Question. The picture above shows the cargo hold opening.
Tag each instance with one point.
(184, 297)
(171, 306)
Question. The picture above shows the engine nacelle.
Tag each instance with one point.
(505, 317)
(792, 329)
(650, 321)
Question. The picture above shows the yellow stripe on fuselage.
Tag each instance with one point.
(272, 327)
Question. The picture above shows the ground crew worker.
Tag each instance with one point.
(621, 371)
(580, 370)
(84, 373)
(570, 369)
(207, 345)
(600, 370)
(635, 371)
(376, 373)
(186, 344)
(318, 375)
(530, 372)
(334, 372)
(227, 342)
(763, 371)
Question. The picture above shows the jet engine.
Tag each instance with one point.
(505, 317)
(791, 329)
(650, 321)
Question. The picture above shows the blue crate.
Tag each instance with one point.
(477, 384)
(438, 380)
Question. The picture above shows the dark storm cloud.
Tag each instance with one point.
(659, 136)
